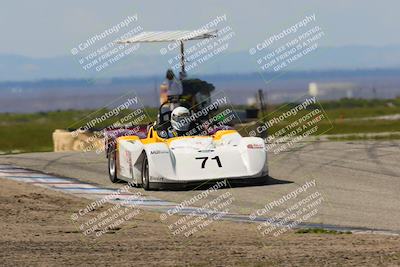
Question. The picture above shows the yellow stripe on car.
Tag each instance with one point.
(152, 137)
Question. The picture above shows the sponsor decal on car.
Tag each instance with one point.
(156, 152)
(255, 146)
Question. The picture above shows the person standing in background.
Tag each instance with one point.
(171, 88)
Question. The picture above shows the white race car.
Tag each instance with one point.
(146, 159)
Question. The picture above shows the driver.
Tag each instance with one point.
(180, 122)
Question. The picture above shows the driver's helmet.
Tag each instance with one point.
(180, 119)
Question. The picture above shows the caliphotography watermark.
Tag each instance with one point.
(124, 116)
(289, 211)
(206, 118)
(199, 211)
(112, 211)
(278, 51)
(291, 125)
(203, 50)
(210, 25)
(103, 49)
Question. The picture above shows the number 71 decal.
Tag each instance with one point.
(216, 158)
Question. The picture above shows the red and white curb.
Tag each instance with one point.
(97, 192)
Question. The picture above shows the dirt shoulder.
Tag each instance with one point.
(36, 230)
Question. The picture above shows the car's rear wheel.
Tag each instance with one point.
(145, 174)
(112, 167)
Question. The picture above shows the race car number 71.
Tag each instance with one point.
(216, 158)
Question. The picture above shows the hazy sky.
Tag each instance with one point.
(47, 28)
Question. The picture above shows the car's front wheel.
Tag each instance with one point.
(145, 174)
(112, 167)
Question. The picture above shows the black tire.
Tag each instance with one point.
(145, 174)
(112, 167)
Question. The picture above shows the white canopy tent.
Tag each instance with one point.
(171, 36)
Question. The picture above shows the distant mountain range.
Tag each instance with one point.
(61, 94)
(21, 68)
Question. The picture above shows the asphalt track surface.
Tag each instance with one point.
(359, 181)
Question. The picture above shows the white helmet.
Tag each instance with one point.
(180, 119)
